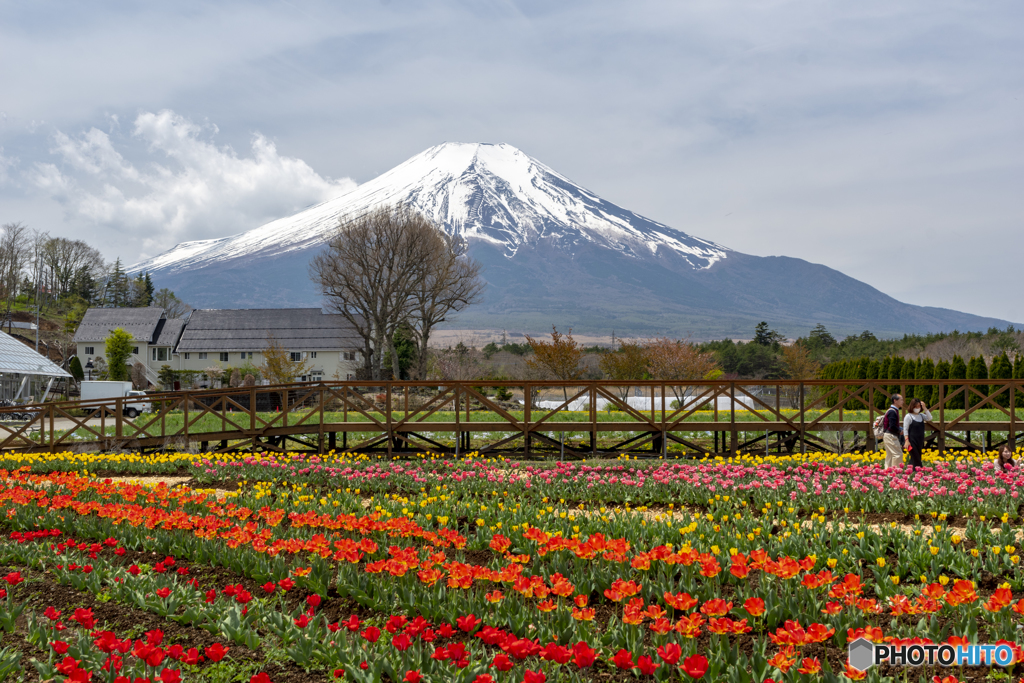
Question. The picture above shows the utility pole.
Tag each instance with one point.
(36, 284)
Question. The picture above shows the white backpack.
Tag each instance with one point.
(879, 425)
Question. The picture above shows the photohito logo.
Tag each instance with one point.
(863, 654)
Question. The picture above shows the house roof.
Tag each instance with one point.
(17, 358)
(248, 330)
(98, 323)
(168, 332)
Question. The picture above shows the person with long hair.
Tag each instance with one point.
(913, 431)
(1005, 461)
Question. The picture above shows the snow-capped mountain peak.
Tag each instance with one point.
(485, 192)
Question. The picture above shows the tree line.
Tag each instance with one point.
(65, 276)
(898, 368)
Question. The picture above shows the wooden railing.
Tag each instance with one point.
(574, 419)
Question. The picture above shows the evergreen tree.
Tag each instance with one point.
(881, 400)
(1018, 373)
(895, 371)
(76, 369)
(957, 370)
(150, 289)
(926, 370)
(1001, 369)
(977, 369)
(118, 287)
(763, 335)
(941, 372)
(909, 371)
(820, 338)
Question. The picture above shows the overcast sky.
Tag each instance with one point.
(884, 139)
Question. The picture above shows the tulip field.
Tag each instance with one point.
(279, 568)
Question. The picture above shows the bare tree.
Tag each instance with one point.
(172, 305)
(15, 252)
(380, 270)
(680, 361)
(64, 260)
(562, 357)
(449, 282)
(628, 363)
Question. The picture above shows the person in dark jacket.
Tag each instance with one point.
(913, 430)
(893, 437)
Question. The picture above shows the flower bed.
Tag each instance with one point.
(487, 571)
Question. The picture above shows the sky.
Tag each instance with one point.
(883, 139)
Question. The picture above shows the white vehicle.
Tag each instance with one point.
(95, 390)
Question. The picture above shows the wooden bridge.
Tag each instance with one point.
(578, 419)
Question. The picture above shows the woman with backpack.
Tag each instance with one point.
(913, 431)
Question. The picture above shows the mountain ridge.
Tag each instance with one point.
(553, 253)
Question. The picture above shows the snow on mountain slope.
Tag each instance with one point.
(489, 192)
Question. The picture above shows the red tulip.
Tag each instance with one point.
(646, 665)
(412, 676)
(502, 662)
(216, 652)
(583, 655)
(534, 676)
(670, 653)
(623, 659)
(695, 666)
(467, 623)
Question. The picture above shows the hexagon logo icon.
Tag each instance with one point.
(861, 654)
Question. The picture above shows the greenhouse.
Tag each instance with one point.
(25, 376)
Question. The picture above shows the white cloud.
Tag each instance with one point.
(184, 187)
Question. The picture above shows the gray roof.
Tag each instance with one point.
(98, 323)
(295, 329)
(168, 332)
(17, 358)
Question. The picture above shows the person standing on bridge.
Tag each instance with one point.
(913, 431)
(892, 437)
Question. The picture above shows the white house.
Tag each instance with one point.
(236, 337)
(227, 338)
(154, 333)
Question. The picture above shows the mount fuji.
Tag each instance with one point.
(552, 253)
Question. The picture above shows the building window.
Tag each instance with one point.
(296, 356)
(90, 350)
(202, 356)
(186, 356)
(312, 354)
(243, 355)
(135, 350)
(161, 354)
(348, 355)
(223, 357)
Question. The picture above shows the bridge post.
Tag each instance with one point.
(734, 435)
